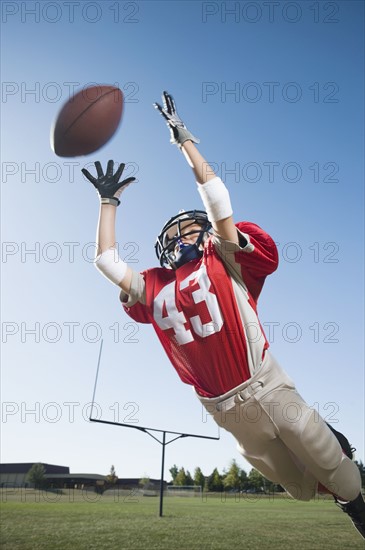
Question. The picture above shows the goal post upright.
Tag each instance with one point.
(162, 474)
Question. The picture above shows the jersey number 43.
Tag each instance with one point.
(176, 320)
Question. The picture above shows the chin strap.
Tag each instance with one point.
(188, 252)
(185, 255)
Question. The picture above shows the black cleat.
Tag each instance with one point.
(356, 510)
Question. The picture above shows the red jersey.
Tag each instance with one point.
(205, 312)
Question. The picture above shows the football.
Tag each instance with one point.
(87, 121)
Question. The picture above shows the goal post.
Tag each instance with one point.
(183, 491)
(171, 435)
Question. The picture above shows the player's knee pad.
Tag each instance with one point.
(321, 443)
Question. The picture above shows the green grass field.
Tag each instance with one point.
(46, 521)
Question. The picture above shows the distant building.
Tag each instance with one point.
(15, 475)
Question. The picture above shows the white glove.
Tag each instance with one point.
(179, 132)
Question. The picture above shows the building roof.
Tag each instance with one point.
(74, 476)
(24, 467)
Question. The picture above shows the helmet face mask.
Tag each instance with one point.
(176, 244)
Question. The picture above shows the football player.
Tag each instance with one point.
(202, 303)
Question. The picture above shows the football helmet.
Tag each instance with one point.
(170, 247)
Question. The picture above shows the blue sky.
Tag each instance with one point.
(275, 94)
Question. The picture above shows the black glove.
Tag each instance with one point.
(108, 187)
(178, 131)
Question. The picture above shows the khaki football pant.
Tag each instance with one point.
(282, 437)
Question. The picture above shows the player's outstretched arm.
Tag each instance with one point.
(109, 189)
(212, 190)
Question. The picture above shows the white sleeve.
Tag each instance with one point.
(216, 200)
(111, 266)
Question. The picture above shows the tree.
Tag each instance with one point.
(232, 479)
(36, 475)
(112, 478)
(256, 480)
(174, 471)
(243, 479)
(189, 480)
(260, 483)
(181, 478)
(215, 481)
(199, 479)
